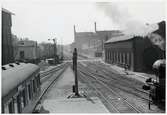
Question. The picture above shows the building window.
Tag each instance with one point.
(107, 55)
(114, 57)
(110, 56)
(21, 43)
(120, 58)
(125, 58)
(11, 107)
(116, 60)
(21, 54)
(128, 58)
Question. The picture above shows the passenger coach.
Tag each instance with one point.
(20, 87)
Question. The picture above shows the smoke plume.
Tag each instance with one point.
(129, 25)
(121, 16)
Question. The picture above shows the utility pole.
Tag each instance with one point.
(75, 70)
(62, 48)
(55, 49)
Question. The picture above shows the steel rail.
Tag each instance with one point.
(50, 85)
(92, 76)
(125, 84)
(45, 73)
(98, 92)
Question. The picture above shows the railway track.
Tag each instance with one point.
(50, 84)
(118, 102)
(46, 74)
(116, 80)
(84, 71)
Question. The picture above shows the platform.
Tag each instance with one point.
(57, 101)
(75, 105)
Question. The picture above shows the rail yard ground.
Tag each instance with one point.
(102, 90)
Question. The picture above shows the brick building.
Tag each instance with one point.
(85, 42)
(135, 51)
(28, 50)
(7, 46)
(139, 53)
(92, 43)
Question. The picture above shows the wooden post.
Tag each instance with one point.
(75, 70)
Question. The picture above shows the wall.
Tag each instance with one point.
(120, 53)
(139, 53)
(29, 48)
(7, 47)
(85, 42)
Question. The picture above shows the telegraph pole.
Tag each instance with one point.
(75, 70)
(55, 49)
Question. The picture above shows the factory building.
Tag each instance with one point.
(7, 45)
(136, 52)
(92, 43)
(28, 51)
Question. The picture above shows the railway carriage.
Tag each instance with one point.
(20, 87)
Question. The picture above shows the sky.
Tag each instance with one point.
(41, 20)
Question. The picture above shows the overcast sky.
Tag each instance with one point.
(40, 20)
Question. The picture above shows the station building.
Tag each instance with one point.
(28, 50)
(7, 45)
(136, 52)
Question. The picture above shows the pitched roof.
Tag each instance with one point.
(120, 38)
(12, 77)
(7, 11)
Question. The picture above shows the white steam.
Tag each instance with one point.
(121, 16)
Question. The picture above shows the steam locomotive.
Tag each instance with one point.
(157, 87)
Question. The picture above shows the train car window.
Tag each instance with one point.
(29, 92)
(11, 107)
(39, 79)
(22, 100)
(34, 86)
(24, 97)
(37, 82)
(6, 108)
(15, 105)
(19, 104)
(2, 107)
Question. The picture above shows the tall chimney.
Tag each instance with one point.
(74, 36)
(74, 29)
(95, 26)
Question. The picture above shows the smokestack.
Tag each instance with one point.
(74, 34)
(95, 26)
(74, 29)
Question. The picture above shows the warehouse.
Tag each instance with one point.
(136, 52)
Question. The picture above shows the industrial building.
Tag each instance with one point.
(136, 52)
(92, 43)
(7, 46)
(28, 51)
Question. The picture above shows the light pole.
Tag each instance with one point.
(55, 48)
(62, 48)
